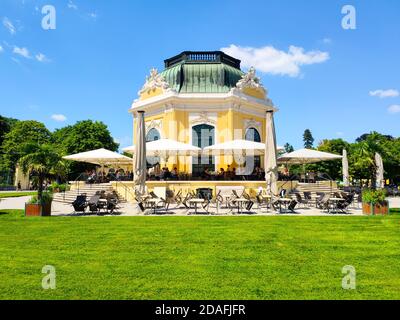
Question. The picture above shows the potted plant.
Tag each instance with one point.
(36, 207)
(43, 161)
(374, 202)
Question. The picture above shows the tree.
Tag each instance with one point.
(308, 139)
(23, 132)
(363, 157)
(332, 168)
(288, 147)
(5, 126)
(42, 160)
(83, 136)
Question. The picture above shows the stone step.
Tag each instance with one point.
(90, 190)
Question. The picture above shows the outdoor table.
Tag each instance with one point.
(335, 203)
(285, 202)
(102, 204)
(314, 198)
(240, 202)
(195, 202)
(267, 200)
(153, 203)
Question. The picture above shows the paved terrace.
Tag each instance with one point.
(129, 209)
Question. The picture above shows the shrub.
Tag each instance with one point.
(374, 196)
(47, 197)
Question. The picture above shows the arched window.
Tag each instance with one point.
(252, 134)
(203, 135)
(153, 135)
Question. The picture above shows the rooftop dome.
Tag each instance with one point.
(202, 72)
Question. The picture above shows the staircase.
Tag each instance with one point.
(89, 189)
(316, 187)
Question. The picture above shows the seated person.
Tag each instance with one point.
(165, 174)
(174, 173)
(221, 174)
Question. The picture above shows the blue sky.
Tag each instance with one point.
(92, 65)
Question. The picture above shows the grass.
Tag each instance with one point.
(17, 194)
(199, 257)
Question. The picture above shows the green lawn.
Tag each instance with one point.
(17, 194)
(199, 257)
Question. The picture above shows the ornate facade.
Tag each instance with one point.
(203, 98)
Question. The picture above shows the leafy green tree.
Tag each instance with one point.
(23, 132)
(332, 168)
(41, 160)
(308, 139)
(362, 157)
(5, 127)
(288, 147)
(83, 136)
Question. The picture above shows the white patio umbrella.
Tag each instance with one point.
(270, 163)
(102, 157)
(165, 148)
(380, 182)
(345, 169)
(239, 149)
(236, 147)
(304, 156)
(140, 168)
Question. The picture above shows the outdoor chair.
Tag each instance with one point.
(323, 203)
(79, 203)
(344, 205)
(93, 204)
(292, 206)
(226, 194)
(275, 203)
(112, 203)
(160, 193)
(175, 198)
(300, 200)
(250, 202)
(307, 195)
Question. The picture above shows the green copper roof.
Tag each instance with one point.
(202, 72)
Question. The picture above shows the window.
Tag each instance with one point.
(252, 134)
(203, 135)
(153, 135)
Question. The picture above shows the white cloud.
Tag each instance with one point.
(72, 5)
(327, 40)
(24, 52)
(271, 60)
(59, 117)
(10, 27)
(395, 108)
(93, 15)
(41, 58)
(390, 93)
(1, 49)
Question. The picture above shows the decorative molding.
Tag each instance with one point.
(154, 81)
(251, 123)
(203, 117)
(154, 124)
(250, 80)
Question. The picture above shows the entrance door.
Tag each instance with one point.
(203, 135)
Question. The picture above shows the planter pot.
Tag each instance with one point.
(378, 208)
(37, 210)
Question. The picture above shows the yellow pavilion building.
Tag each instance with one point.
(203, 98)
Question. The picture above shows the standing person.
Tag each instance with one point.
(19, 186)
